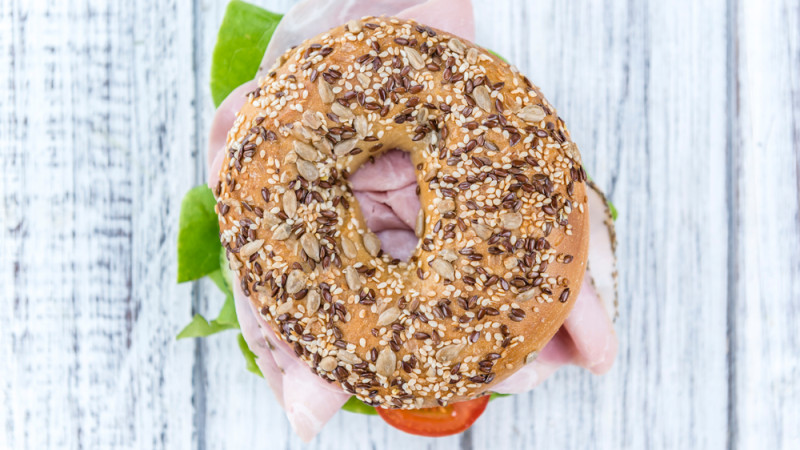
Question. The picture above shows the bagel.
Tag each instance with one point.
(503, 226)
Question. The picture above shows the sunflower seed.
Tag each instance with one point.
(386, 362)
(511, 221)
(301, 132)
(342, 111)
(285, 307)
(430, 174)
(307, 170)
(446, 205)
(283, 232)
(311, 120)
(472, 55)
(388, 316)
(349, 248)
(449, 353)
(431, 372)
(483, 231)
(372, 243)
(482, 98)
(324, 146)
(352, 278)
(363, 80)
(306, 151)
(290, 158)
(422, 115)
(295, 281)
(354, 26)
(443, 268)
(531, 357)
(289, 203)
(248, 249)
(310, 245)
(419, 227)
(327, 363)
(325, 92)
(270, 219)
(448, 254)
(234, 264)
(414, 58)
(525, 296)
(510, 262)
(348, 357)
(361, 126)
(312, 301)
(532, 113)
(456, 46)
(344, 147)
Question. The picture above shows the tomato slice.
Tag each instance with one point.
(438, 421)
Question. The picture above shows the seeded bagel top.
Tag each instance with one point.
(503, 226)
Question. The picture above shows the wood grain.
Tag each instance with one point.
(765, 203)
(686, 112)
(625, 78)
(96, 130)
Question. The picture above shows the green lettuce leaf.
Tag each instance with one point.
(201, 327)
(249, 357)
(242, 39)
(496, 54)
(354, 405)
(198, 235)
(613, 210)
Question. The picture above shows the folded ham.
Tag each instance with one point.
(386, 191)
(311, 17)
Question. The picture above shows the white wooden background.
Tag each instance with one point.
(687, 113)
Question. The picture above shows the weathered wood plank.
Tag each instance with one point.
(93, 114)
(103, 112)
(234, 408)
(765, 179)
(645, 101)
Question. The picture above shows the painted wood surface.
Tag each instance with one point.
(686, 112)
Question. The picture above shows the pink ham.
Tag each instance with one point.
(220, 124)
(453, 16)
(395, 162)
(311, 17)
(390, 209)
(400, 243)
(309, 400)
(257, 344)
(592, 331)
(586, 339)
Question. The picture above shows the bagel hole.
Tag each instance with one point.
(386, 189)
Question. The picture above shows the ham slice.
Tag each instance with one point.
(586, 339)
(309, 401)
(220, 125)
(453, 16)
(311, 17)
(386, 193)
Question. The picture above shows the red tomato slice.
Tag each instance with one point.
(436, 422)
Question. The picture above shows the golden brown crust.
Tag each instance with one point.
(503, 225)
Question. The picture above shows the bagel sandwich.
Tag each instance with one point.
(402, 222)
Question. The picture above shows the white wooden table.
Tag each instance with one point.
(687, 113)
